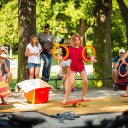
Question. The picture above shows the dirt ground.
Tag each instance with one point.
(54, 95)
(59, 95)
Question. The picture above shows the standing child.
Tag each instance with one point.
(33, 51)
(77, 65)
(4, 88)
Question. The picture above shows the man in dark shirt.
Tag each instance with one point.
(116, 63)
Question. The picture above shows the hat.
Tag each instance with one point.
(122, 50)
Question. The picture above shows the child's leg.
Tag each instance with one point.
(37, 70)
(85, 83)
(63, 80)
(31, 73)
(67, 77)
(3, 101)
(69, 88)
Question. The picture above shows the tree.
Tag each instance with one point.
(124, 13)
(102, 42)
(27, 27)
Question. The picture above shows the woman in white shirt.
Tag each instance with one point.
(33, 51)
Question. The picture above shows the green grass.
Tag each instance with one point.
(78, 83)
(13, 83)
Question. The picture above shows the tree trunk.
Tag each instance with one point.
(83, 28)
(102, 42)
(27, 27)
(124, 13)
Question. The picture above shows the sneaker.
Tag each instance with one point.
(115, 87)
(61, 89)
(64, 91)
(73, 89)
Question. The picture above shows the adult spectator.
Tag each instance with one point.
(116, 63)
(5, 68)
(47, 41)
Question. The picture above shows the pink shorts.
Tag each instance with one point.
(77, 71)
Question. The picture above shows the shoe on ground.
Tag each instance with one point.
(61, 89)
(64, 91)
(115, 87)
(73, 89)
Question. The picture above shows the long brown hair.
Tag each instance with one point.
(73, 39)
(31, 42)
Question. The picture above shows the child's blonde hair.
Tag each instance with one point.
(73, 39)
(32, 41)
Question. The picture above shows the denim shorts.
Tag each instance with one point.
(66, 63)
(32, 65)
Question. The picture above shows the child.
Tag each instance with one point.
(4, 88)
(33, 51)
(65, 64)
(123, 61)
(62, 75)
(77, 65)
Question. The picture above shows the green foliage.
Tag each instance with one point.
(118, 30)
(9, 24)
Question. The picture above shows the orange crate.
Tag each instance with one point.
(38, 95)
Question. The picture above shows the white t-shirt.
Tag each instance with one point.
(34, 59)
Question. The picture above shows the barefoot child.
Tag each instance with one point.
(4, 88)
(77, 65)
(33, 51)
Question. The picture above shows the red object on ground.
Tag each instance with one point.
(5, 104)
(75, 101)
(38, 96)
(123, 96)
(122, 82)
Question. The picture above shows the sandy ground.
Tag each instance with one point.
(54, 95)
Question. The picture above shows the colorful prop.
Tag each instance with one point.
(94, 52)
(60, 45)
(75, 103)
(36, 91)
(5, 56)
(123, 96)
(125, 73)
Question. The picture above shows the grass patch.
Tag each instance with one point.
(78, 83)
(13, 83)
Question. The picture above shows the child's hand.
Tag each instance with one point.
(123, 61)
(35, 53)
(93, 58)
(59, 57)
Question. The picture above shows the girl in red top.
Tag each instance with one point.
(77, 65)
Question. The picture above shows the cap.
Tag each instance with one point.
(122, 50)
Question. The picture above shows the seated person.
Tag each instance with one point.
(116, 63)
(5, 68)
(123, 61)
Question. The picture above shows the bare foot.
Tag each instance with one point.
(84, 98)
(126, 94)
(64, 102)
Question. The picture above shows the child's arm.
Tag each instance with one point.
(30, 54)
(60, 50)
(124, 57)
(41, 50)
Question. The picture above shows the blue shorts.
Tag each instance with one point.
(66, 63)
(32, 65)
